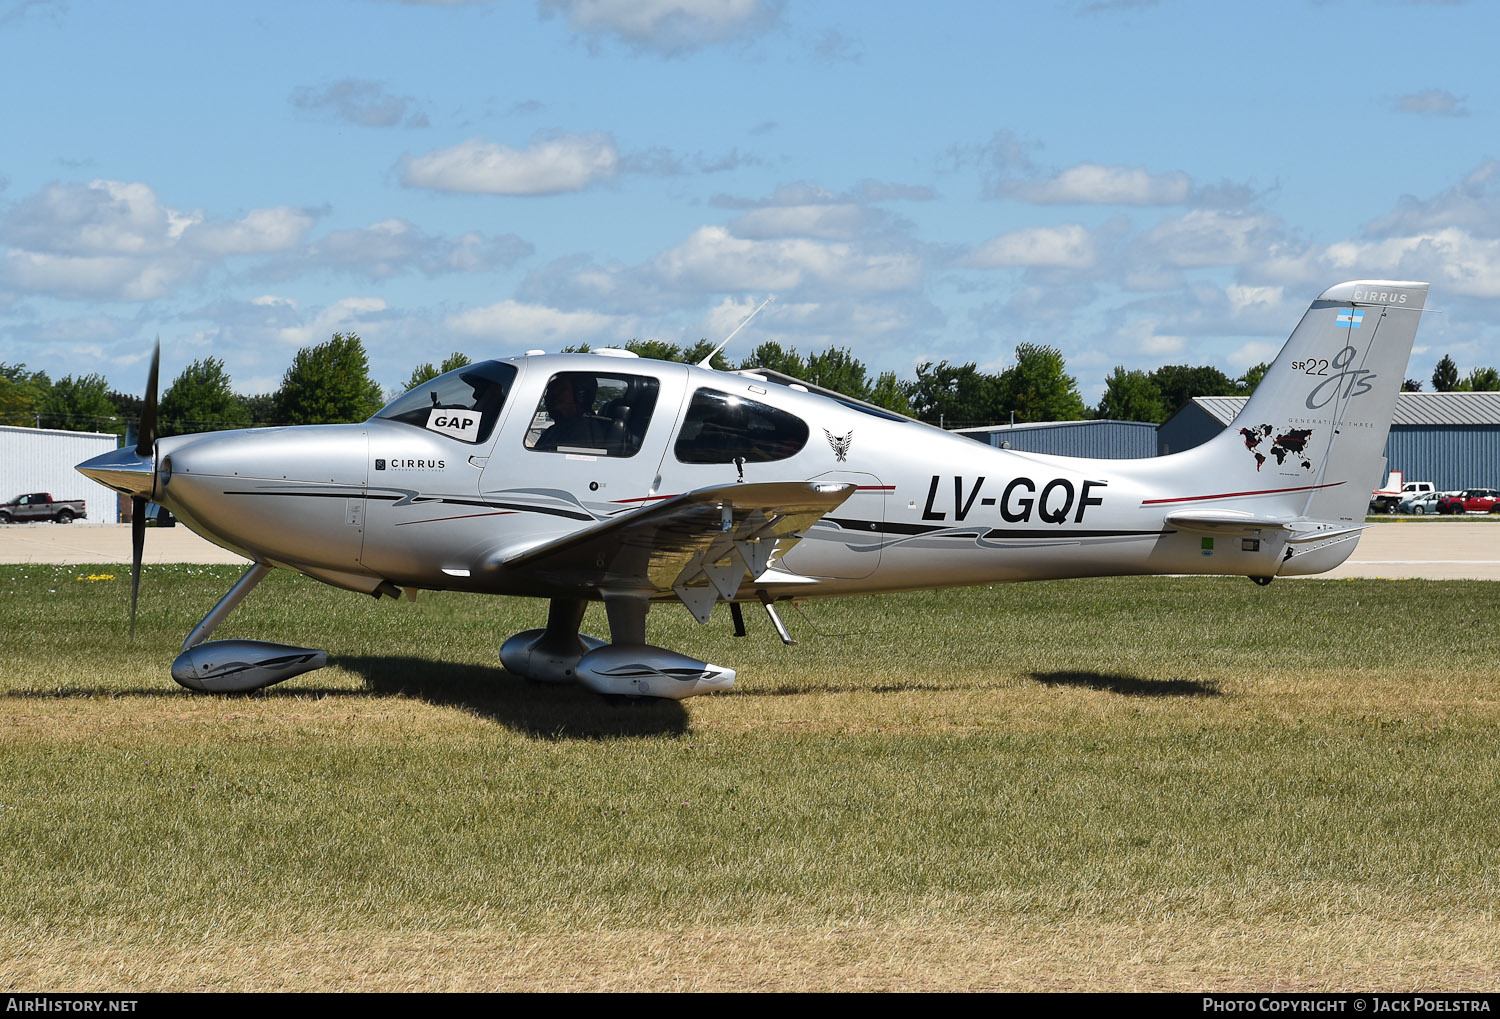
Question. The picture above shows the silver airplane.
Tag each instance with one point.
(606, 477)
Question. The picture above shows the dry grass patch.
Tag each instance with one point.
(1102, 784)
(1355, 954)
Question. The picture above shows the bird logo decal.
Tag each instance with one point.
(840, 444)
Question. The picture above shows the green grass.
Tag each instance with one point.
(1289, 781)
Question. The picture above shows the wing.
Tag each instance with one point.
(700, 545)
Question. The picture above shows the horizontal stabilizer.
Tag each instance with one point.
(1227, 521)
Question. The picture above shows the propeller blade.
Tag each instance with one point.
(145, 446)
(137, 550)
(146, 439)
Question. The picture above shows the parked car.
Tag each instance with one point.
(24, 509)
(1389, 498)
(1421, 503)
(1475, 500)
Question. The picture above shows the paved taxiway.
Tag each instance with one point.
(1431, 549)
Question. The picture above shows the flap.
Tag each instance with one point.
(667, 545)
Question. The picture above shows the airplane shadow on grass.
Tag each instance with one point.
(563, 711)
(1130, 686)
(560, 711)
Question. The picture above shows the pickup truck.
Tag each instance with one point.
(41, 506)
(1385, 500)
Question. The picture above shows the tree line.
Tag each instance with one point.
(326, 383)
(330, 382)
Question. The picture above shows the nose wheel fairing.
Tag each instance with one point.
(239, 666)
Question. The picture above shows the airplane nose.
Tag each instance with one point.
(124, 470)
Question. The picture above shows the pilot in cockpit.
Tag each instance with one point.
(570, 404)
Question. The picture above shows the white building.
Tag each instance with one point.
(42, 460)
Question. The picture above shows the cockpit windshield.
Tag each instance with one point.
(463, 404)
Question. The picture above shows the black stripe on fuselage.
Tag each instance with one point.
(353, 494)
(520, 507)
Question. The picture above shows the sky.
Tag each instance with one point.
(1135, 183)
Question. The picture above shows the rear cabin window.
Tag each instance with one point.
(721, 428)
(463, 404)
(593, 413)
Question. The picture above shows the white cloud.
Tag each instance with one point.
(1210, 237)
(522, 326)
(1009, 171)
(1142, 337)
(726, 316)
(1059, 247)
(1452, 258)
(1433, 102)
(393, 247)
(801, 194)
(1093, 184)
(548, 166)
(1253, 353)
(1451, 240)
(666, 26)
(1242, 297)
(1473, 203)
(103, 217)
(261, 232)
(713, 259)
(835, 279)
(838, 222)
(346, 315)
(360, 101)
(116, 240)
(104, 278)
(80, 328)
(473, 252)
(663, 162)
(867, 326)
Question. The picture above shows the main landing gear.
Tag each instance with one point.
(626, 666)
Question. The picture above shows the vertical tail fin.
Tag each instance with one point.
(1313, 432)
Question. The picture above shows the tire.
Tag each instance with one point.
(5, 518)
(64, 517)
(1419, 510)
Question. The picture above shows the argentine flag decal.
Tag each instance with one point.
(1351, 318)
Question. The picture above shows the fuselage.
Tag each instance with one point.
(434, 494)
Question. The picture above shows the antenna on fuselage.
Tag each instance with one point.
(712, 353)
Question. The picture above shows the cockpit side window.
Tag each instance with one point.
(593, 413)
(720, 428)
(463, 404)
